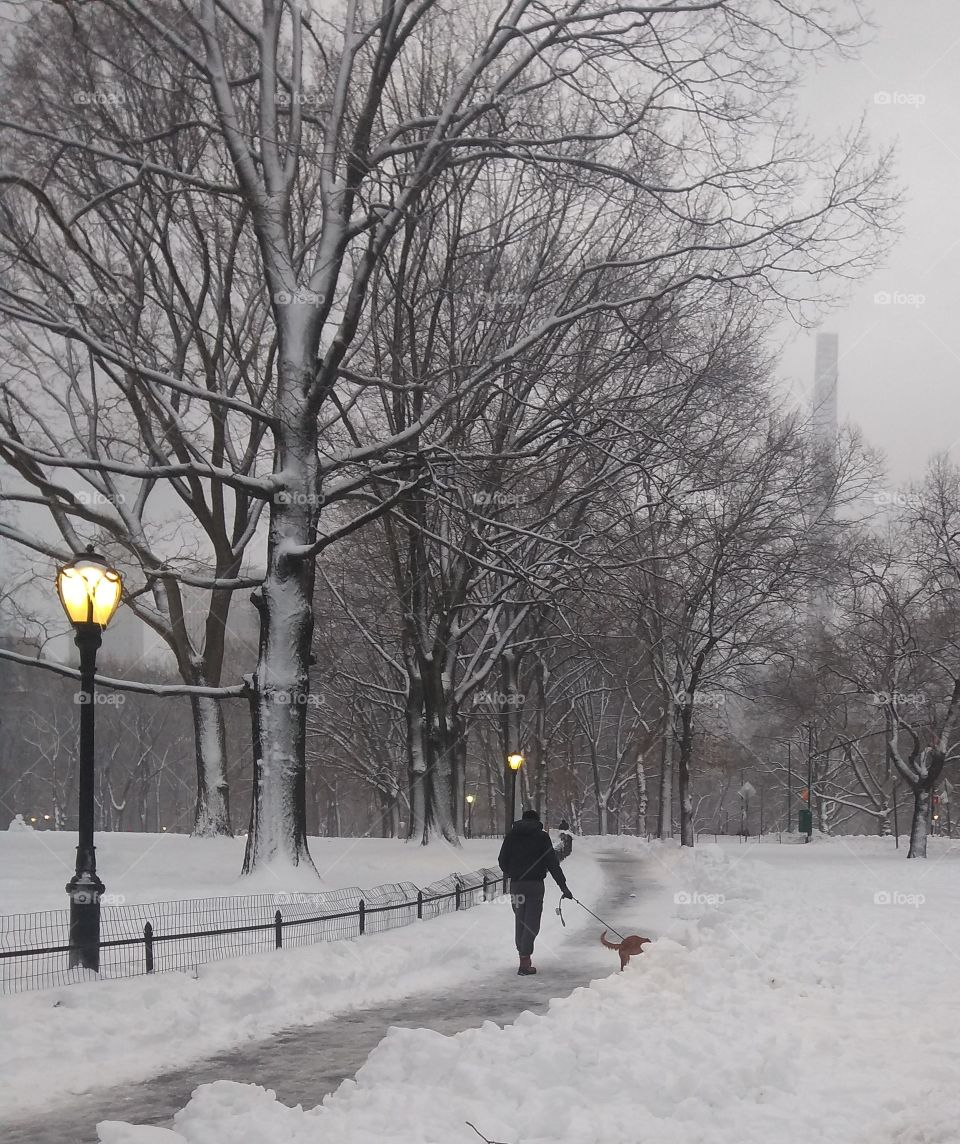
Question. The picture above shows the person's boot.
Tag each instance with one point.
(526, 969)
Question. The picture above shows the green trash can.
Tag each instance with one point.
(805, 821)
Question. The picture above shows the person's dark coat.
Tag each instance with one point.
(527, 854)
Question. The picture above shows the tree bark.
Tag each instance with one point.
(919, 828)
(416, 754)
(285, 601)
(641, 778)
(665, 811)
(686, 785)
(212, 817)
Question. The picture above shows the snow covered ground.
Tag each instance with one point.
(76, 1038)
(794, 993)
(35, 865)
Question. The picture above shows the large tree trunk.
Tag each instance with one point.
(641, 778)
(930, 769)
(821, 806)
(278, 831)
(456, 753)
(416, 754)
(389, 813)
(440, 781)
(665, 811)
(212, 815)
(919, 825)
(492, 772)
(686, 785)
(599, 797)
(431, 750)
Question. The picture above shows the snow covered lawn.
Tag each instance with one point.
(35, 865)
(75, 1038)
(798, 993)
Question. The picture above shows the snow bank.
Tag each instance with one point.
(76, 1038)
(799, 993)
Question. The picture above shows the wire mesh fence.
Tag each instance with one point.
(35, 950)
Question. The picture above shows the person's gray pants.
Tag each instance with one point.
(527, 901)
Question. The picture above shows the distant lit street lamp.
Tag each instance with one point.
(470, 801)
(514, 762)
(89, 590)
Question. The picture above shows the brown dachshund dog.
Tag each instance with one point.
(626, 948)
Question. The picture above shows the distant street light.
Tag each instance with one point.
(470, 801)
(89, 591)
(514, 762)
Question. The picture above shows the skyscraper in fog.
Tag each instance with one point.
(825, 393)
(823, 418)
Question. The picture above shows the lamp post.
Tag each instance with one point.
(514, 762)
(89, 590)
(470, 801)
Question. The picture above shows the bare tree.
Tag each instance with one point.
(324, 133)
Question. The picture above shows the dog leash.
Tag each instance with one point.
(606, 925)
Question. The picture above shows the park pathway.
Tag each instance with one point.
(304, 1063)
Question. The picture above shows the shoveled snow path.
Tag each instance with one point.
(303, 1064)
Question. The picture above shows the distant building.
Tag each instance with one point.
(824, 432)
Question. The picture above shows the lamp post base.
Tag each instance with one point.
(85, 890)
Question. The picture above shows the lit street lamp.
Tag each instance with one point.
(470, 801)
(89, 590)
(514, 762)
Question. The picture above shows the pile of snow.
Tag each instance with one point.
(19, 824)
(801, 993)
(76, 1038)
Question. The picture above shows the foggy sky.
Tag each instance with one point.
(900, 361)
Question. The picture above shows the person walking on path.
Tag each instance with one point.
(526, 857)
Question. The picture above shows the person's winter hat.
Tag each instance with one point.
(531, 816)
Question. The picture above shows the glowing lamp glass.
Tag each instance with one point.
(89, 590)
(470, 799)
(514, 762)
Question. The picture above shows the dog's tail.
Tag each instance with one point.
(608, 944)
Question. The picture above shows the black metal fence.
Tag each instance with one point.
(151, 938)
(777, 836)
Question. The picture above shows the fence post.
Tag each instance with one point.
(419, 905)
(148, 946)
(278, 928)
(456, 895)
(362, 915)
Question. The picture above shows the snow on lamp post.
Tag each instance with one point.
(470, 801)
(89, 590)
(514, 762)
